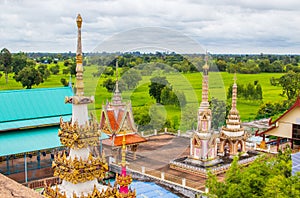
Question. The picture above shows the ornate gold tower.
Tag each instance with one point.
(233, 133)
(80, 171)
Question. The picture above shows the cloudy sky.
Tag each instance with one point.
(220, 26)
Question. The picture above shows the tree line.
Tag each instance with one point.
(29, 71)
(249, 64)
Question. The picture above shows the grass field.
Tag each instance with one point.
(189, 83)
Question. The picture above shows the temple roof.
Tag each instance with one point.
(272, 123)
(296, 104)
(33, 107)
(115, 119)
(130, 139)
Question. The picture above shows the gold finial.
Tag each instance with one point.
(206, 67)
(79, 21)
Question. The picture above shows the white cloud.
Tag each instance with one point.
(221, 26)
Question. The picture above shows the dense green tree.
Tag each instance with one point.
(264, 65)
(142, 117)
(218, 108)
(131, 78)
(66, 71)
(43, 69)
(109, 84)
(19, 61)
(156, 86)
(29, 76)
(258, 92)
(64, 82)
(290, 83)
(5, 62)
(277, 66)
(166, 96)
(67, 63)
(108, 71)
(54, 69)
(73, 69)
(221, 64)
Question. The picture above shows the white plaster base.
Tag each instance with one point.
(85, 188)
(79, 153)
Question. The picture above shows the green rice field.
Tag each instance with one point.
(189, 83)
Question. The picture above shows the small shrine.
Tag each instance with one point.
(80, 170)
(233, 136)
(203, 143)
(116, 120)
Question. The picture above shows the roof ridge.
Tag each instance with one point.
(31, 90)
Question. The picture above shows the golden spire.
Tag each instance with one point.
(234, 94)
(117, 80)
(117, 98)
(123, 163)
(205, 80)
(79, 68)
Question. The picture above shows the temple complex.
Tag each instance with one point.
(79, 171)
(203, 145)
(233, 135)
(117, 119)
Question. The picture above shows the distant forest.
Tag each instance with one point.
(240, 63)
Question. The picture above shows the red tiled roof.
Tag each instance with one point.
(113, 123)
(120, 116)
(130, 139)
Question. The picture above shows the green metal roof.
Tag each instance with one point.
(33, 107)
(21, 141)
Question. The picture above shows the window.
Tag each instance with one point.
(296, 131)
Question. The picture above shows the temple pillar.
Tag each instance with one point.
(134, 150)
(243, 146)
(7, 165)
(231, 148)
(277, 143)
(221, 151)
(115, 153)
(38, 157)
(191, 146)
(163, 175)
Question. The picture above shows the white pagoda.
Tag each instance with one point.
(79, 171)
(233, 134)
(203, 145)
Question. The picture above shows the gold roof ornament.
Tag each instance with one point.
(79, 21)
